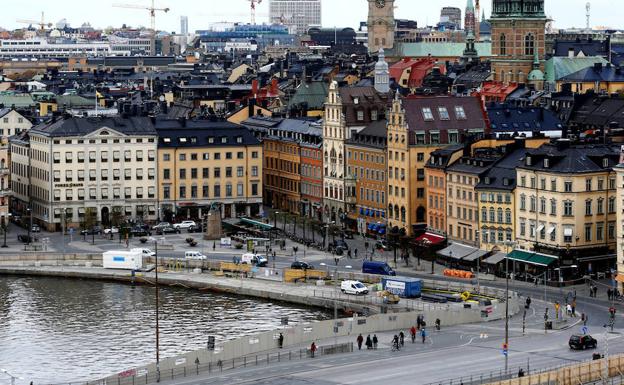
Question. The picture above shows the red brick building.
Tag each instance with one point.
(312, 180)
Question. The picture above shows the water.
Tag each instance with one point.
(57, 331)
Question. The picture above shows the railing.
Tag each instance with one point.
(404, 304)
(132, 377)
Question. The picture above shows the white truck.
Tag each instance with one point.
(122, 259)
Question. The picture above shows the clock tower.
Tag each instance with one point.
(381, 25)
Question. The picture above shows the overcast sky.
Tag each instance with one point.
(341, 13)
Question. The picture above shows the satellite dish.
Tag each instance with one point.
(162, 98)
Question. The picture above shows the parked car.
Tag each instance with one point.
(353, 287)
(161, 225)
(111, 230)
(340, 244)
(301, 265)
(24, 238)
(145, 252)
(35, 229)
(168, 230)
(254, 259)
(184, 225)
(138, 231)
(196, 228)
(95, 230)
(382, 244)
(582, 342)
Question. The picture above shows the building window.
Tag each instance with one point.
(600, 207)
(166, 192)
(567, 208)
(443, 112)
(427, 114)
(611, 205)
(588, 184)
(522, 202)
(503, 44)
(529, 44)
(588, 232)
(567, 186)
(228, 190)
(239, 171)
(599, 232)
(588, 207)
(542, 205)
(553, 207)
(217, 191)
(460, 113)
(182, 173)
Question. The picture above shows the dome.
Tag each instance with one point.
(535, 75)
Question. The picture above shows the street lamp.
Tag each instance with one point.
(13, 378)
(508, 244)
(30, 223)
(5, 227)
(157, 306)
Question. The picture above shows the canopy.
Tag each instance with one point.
(495, 259)
(531, 257)
(434, 239)
(457, 251)
(477, 254)
(263, 226)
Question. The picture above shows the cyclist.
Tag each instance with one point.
(402, 338)
(395, 343)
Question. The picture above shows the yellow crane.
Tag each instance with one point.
(42, 24)
(152, 11)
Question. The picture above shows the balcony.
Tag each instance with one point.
(4, 171)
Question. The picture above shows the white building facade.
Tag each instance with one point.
(300, 15)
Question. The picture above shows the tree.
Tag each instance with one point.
(117, 216)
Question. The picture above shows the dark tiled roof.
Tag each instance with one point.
(504, 118)
(374, 135)
(572, 159)
(502, 176)
(367, 99)
(588, 47)
(599, 111)
(440, 158)
(79, 126)
(197, 133)
(598, 73)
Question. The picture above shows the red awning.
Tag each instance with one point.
(434, 239)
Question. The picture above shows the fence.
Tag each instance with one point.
(588, 372)
(403, 305)
(188, 369)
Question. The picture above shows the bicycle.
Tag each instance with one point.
(395, 347)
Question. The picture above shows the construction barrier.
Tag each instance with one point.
(234, 267)
(458, 273)
(294, 275)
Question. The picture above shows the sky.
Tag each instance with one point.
(336, 13)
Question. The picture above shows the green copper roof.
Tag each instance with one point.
(559, 67)
(313, 93)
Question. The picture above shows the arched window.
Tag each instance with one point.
(389, 211)
(508, 216)
(396, 212)
(403, 214)
(492, 214)
(499, 215)
(503, 44)
(529, 44)
(484, 214)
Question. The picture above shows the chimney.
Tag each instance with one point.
(182, 121)
(251, 104)
(254, 87)
(520, 142)
(274, 88)
(598, 67)
(570, 52)
(563, 144)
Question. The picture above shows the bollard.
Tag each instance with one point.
(118, 381)
(133, 380)
(245, 361)
(209, 367)
(256, 360)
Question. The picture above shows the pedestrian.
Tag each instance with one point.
(595, 291)
(360, 340)
(214, 246)
(274, 255)
(369, 342)
(355, 253)
(423, 334)
(349, 254)
(312, 349)
(418, 322)
(591, 290)
(521, 372)
(574, 308)
(395, 342)
(569, 310)
(402, 338)
(609, 293)
(375, 341)
(528, 302)
(280, 340)
(437, 324)
(413, 333)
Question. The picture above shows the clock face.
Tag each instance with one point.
(380, 3)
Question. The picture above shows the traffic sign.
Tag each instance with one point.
(504, 352)
(584, 330)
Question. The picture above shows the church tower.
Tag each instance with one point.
(518, 36)
(381, 25)
(382, 74)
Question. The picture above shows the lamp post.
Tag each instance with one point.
(30, 223)
(5, 227)
(157, 306)
(13, 378)
(507, 244)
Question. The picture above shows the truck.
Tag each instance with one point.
(377, 267)
(122, 259)
(406, 287)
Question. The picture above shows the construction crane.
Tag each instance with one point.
(588, 14)
(253, 10)
(152, 10)
(42, 24)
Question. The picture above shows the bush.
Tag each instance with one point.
(238, 246)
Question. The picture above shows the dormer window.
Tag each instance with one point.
(505, 181)
(374, 115)
(356, 100)
(360, 115)
(546, 163)
(487, 180)
(605, 162)
(427, 114)
(443, 112)
(529, 161)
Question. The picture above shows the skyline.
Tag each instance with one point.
(566, 13)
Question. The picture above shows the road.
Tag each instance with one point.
(467, 350)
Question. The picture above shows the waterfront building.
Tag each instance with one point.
(298, 15)
(348, 110)
(72, 167)
(283, 147)
(417, 127)
(566, 204)
(366, 161)
(5, 181)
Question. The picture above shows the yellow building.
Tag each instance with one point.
(566, 205)
(201, 164)
(601, 78)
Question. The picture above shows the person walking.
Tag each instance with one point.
(312, 349)
(609, 293)
(369, 342)
(375, 341)
(402, 338)
(355, 253)
(360, 340)
(595, 291)
(413, 333)
(280, 340)
(574, 307)
(528, 302)
(423, 334)
(214, 246)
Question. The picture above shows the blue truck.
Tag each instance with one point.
(377, 267)
(406, 287)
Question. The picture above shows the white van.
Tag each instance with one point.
(145, 252)
(195, 255)
(254, 259)
(353, 287)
